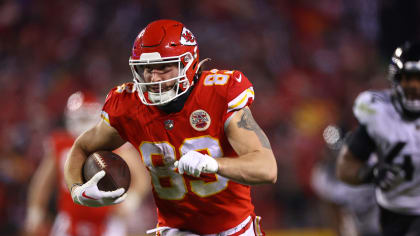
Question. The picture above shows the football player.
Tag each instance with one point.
(351, 210)
(194, 131)
(82, 112)
(389, 126)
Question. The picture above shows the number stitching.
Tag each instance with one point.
(178, 188)
(217, 78)
(126, 87)
(200, 187)
(407, 164)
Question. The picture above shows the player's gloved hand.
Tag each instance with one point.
(88, 194)
(193, 163)
(387, 176)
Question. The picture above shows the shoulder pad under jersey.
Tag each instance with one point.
(368, 104)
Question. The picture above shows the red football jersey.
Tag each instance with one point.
(80, 219)
(205, 205)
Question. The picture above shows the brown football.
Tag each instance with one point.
(116, 169)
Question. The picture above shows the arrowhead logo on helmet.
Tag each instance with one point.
(187, 38)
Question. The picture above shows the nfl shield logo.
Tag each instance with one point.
(169, 124)
(200, 120)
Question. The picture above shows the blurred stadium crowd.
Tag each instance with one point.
(307, 60)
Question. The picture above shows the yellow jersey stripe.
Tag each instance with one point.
(240, 101)
(257, 226)
(105, 117)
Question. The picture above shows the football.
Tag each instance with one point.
(116, 169)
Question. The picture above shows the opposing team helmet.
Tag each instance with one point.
(405, 61)
(161, 42)
(82, 112)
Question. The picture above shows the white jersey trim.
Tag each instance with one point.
(168, 231)
(241, 100)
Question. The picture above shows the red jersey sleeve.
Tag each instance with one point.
(240, 93)
(117, 106)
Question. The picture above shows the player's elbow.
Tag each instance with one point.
(271, 175)
(272, 179)
(268, 174)
(271, 169)
(267, 177)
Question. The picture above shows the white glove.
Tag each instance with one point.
(193, 163)
(88, 194)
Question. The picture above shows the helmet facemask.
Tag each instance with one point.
(409, 97)
(161, 94)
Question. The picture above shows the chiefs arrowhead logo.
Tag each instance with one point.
(187, 38)
(200, 120)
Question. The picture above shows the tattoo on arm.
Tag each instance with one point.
(248, 122)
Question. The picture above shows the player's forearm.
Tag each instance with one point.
(348, 167)
(37, 201)
(253, 168)
(100, 137)
(140, 181)
(74, 164)
(349, 176)
(39, 192)
(37, 207)
(42, 183)
(38, 195)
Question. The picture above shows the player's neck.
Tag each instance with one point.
(176, 105)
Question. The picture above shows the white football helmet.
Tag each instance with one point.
(82, 112)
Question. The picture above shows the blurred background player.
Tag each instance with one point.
(350, 210)
(81, 113)
(389, 126)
